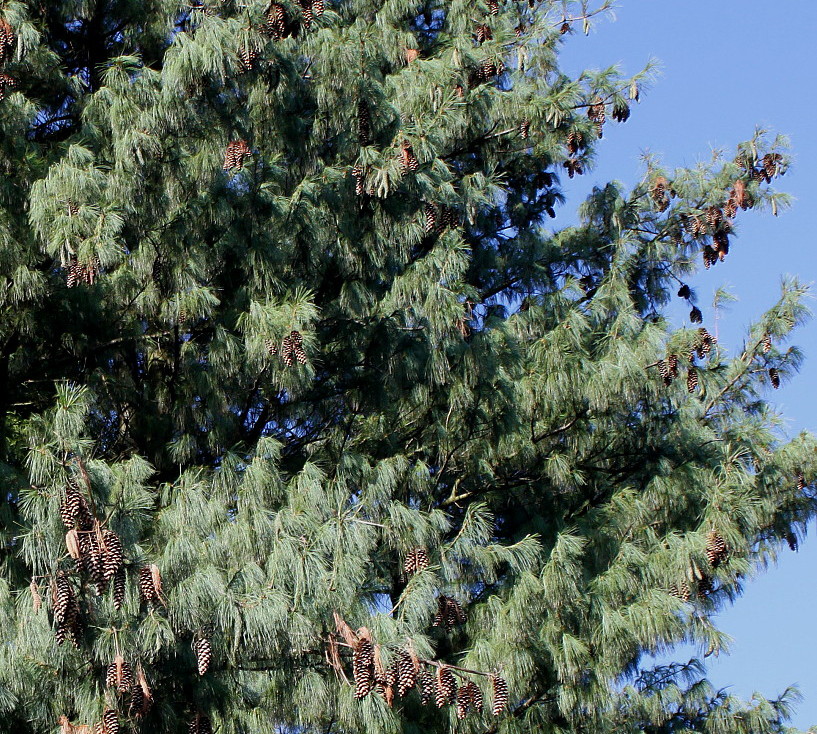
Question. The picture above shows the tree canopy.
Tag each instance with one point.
(322, 410)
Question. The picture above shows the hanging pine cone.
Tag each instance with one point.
(318, 7)
(114, 556)
(663, 370)
(660, 193)
(306, 12)
(287, 353)
(119, 589)
(487, 70)
(358, 174)
(692, 380)
(136, 705)
(63, 599)
(801, 481)
(6, 40)
(247, 57)
(428, 687)
(791, 539)
(520, 30)
(406, 673)
(493, 7)
(672, 366)
(150, 584)
(564, 28)
(573, 167)
(408, 161)
(596, 113)
(483, 33)
(705, 340)
(430, 215)
(766, 344)
(276, 23)
(716, 550)
(449, 613)
(6, 82)
(297, 342)
(464, 699)
(201, 724)
(774, 377)
(574, 142)
(681, 591)
(204, 654)
(363, 668)
(110, 722)
(710, 256)
(364, 123)
(621, 112)
(524, 129)
(771, 164)
(500, 702)
(705, 586)
(695, 315)
(446, 689)
(730, 208)
(721, 244)
(237, 151)
(714, 216)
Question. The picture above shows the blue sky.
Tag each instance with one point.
(726, 68)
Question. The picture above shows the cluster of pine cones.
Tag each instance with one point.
(78, 272)
(134, 688)
(235, 155)
(449, 613)
(407, 672)
(7, 39)
(668, 368)
(717, 552)
(291, 348)
(438, 218)
(277, 23)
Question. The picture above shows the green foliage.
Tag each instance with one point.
(277, 381)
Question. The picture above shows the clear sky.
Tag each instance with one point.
(727, 67)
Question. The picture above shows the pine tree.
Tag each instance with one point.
(308, 416)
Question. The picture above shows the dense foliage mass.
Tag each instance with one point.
(318, 414)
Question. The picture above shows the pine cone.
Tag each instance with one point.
(524, 129)
(428, 687)
(771, 164)
(573, 167)
(597, 114)
(710, 256)
(287, 352)
(500, 695)
(663, 370)
(695, 315)
(766, 344)
(204, 654)
(574, 143)
(318, 8)
(446, 689)
(406, 673)
(6, 82)
(483, 33)
(363, 668)
(714, 216)
(408, 161)
(774, 377)
(621, 112)
(464, 699)
(493, 7)
(564, 28)
(801, 481)
(136, 706)
(234, 156)
(359, 175)
(716, 550)
(364, 123)
(148, 591)
(247, 57)
(672, 366)
(119, 589)
(692, 380)
(114, 556)
(7, 38)
(110, 722)
(276, 23)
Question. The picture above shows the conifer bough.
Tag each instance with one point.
(288, 312)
